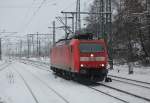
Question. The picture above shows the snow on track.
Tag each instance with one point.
(40, 67)
(129, 98)
(72, 91)
(50, 89)
(42, 94)
(130, 81)
(63, 98)
(133, 89)
(30, 90)
(12, 88)
(4, 65)
(116, 97)
(140, 73)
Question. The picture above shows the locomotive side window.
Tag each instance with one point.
(91, 48)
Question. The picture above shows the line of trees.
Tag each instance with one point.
(130, 30)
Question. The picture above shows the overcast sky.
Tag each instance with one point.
(31, 16)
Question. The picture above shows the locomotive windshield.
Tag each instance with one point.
(91, 48)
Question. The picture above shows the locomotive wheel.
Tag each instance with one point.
(67, 76)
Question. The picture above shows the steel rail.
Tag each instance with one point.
(5, 66)
(27, 85)
(93, 89)
(58, 94)
(109, 95)
(129, 79)
(137, 96)
(36, 65)
(131, 83)
(124, 101)
(147, 99)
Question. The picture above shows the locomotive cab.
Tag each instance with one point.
(90, 58)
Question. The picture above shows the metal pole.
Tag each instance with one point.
(20, 48)
(39, 48)
(73, 23)
(0, 49)
(54, 35)
(66, 24)
(109, 32)
(32, 45)
(37, 44)
(102, 17)
(78, 16)
(28, 45)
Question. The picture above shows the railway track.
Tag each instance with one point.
(4, 65)
(116, 89)
(49, 87)
(131, 81)
(44, 83)
(122, 91)
(37, 64)
(115, 97)
(28, 87)
(124, 101)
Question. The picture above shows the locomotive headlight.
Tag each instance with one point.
(103, 65)
(92, 55)
(82, 65)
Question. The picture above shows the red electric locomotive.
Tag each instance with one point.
(80, 56)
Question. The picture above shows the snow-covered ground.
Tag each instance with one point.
(14, 90)
(42, 59)
(141, 73)
(2, 62)
(47, 88)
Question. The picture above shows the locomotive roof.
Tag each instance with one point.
(85, 36)
(79, 36)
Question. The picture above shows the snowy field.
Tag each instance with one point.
(140, 73)
(23, 83)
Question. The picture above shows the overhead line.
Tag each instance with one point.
(22, 28)
(35, 12)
